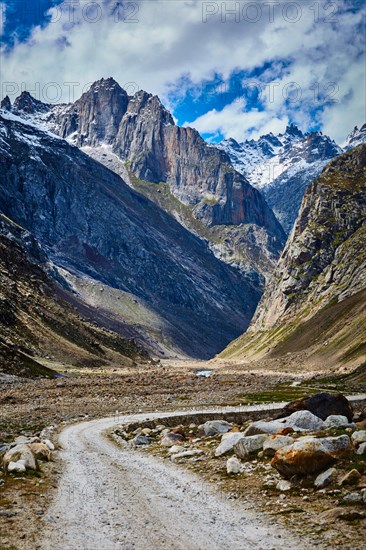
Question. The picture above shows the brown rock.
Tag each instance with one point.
(351, 478)
(40, 451)
(310, 455)
(361, 425)
(348, 514)
(285, 431)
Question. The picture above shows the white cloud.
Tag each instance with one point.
(171, 44)
(233, 121)
(2, 17)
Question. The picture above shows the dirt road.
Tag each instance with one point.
(111, 498)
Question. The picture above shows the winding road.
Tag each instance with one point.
(111, 498)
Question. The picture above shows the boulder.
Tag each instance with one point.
(338, 421)
(298, 421)
(348, 514)
(160, 427)
(49, 444)
(21, 440)
(361, 425)
(20, 453)
(248, 445)
(18, 467)
(171, 439)
(359, 437)
(286, 431)
(363, 494)
(275, 442)
(178, 430)
(362, 449)
(140, 440)
(322, 404)
(186, 454)
(228, 441)
(233, 465)
(40, 451)
(352, 497)
(325, 478)
(214, 427)
(176, 449)
(350, 478)
(283, 485)
(310, 455)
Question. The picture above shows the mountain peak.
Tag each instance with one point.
(6, 104)
(293, 130)
(95, 117)
(106, 84)
(356, 137)
(29, 104)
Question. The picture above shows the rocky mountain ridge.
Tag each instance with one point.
(320, 277)
(106, 239)
(143, 135)
(283, 166)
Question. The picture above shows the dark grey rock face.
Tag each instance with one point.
(90, 221)
(6, 103)
(26, 103)
(142, 132)
(96, 116)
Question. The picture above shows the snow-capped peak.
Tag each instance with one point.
(356, 137)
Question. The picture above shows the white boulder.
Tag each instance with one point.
(214, 427)
(362, 449)
(228, 441)
(18, 466)
(325, 478)
(337, 421)
(359, 437)
(233, 465)
(248, 445)
(275, 442)
(20, 453)
(298, 421)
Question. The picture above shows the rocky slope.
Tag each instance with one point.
(101, 232)
(282, 166)
(317, 294)
(203, 185)
(37, 326)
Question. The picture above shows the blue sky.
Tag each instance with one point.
(230, 69)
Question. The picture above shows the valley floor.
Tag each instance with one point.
(30, 405)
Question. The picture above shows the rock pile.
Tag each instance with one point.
(24, 453)
(300, 450)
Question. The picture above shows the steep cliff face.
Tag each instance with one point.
(323, 265)
(92, 224)
(282, 166)
(95, 117)
(142, 133)
(36, 326)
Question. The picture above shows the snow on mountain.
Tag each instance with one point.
(283, 166)
(355, 138)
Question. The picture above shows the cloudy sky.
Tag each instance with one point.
(230, 69)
